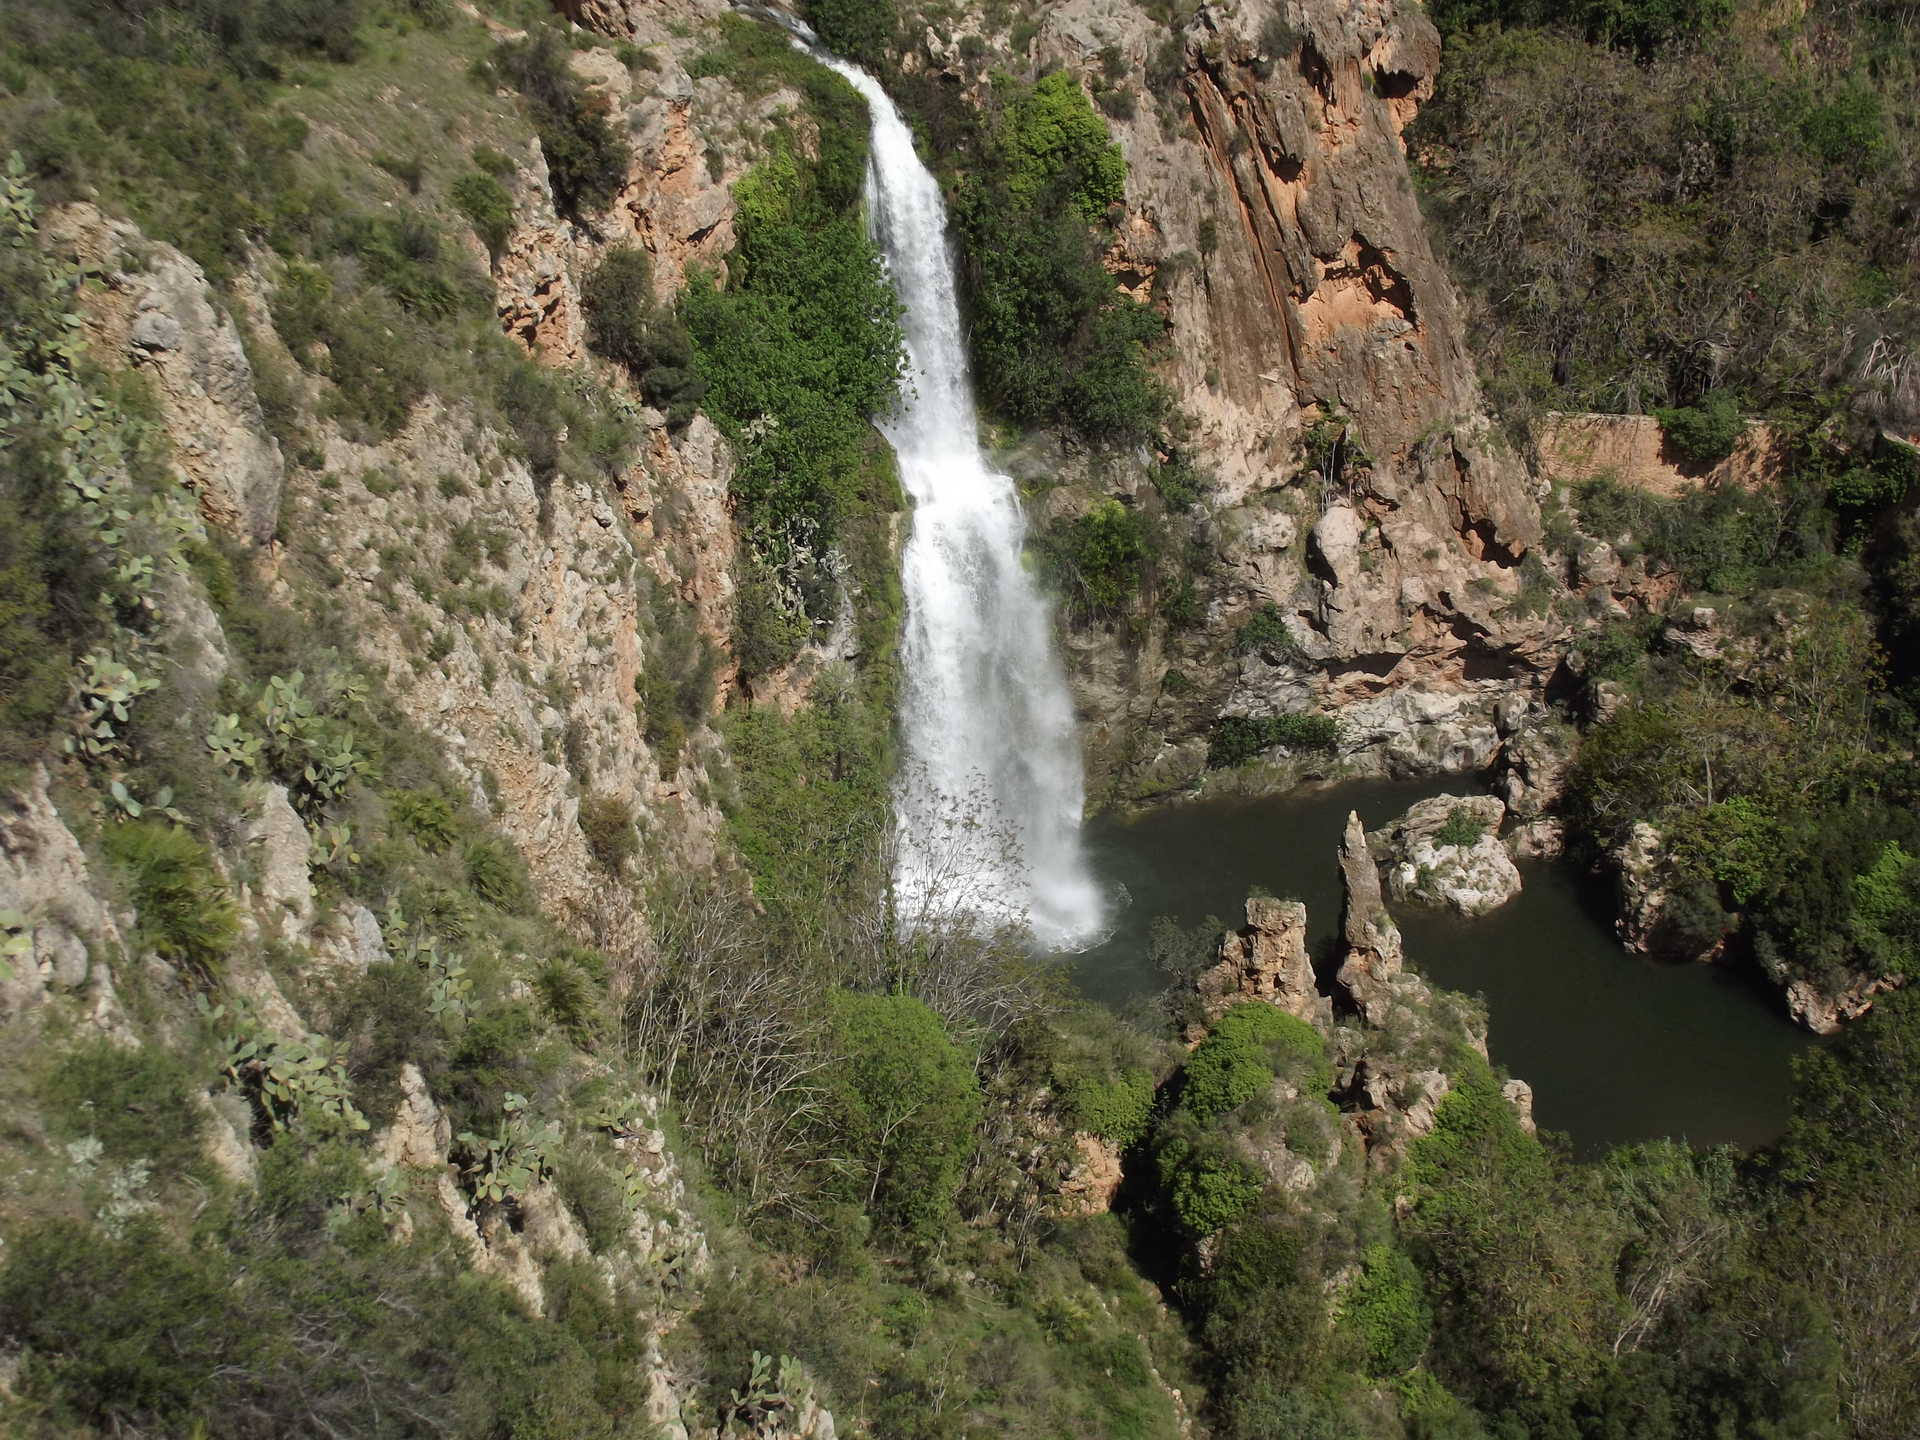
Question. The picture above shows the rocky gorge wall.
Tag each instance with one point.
(1271, 213)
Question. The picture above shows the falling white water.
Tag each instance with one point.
(991, 792)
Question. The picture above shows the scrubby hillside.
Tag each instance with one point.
(448, 624)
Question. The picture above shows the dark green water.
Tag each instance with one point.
(1616, 1047)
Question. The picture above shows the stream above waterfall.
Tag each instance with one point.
(1617, 1047)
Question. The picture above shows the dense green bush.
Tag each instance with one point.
(1460, 830)
(905, 1102)
(1243, 1052)
(1723, 539)
(1236, 739)
(675, 684)
(626, 324)
(123, 1332)
(1115, 1109)
(137, 1103)
(1052, 339)
(586, 159)
(1265, 633)
(497, 874)
(768, 631)
(606, 823)
(1098, 561)
(486, 203)
(1705, 433)
(426, 815)
(804, 344)
(858, 30)
(186, 913)
(1207, 1186)
(1386, 1309)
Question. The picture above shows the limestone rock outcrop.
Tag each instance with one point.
(1266, 959)
(1271, 215)
(1826, 1009)
(51, 901)
(156, 314)
(1392, 1037)
(1447, 851)
(1643, 874)
(1374, 956)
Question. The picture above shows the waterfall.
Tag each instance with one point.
(991, 791)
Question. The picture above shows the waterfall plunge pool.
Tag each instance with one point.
(1617, 1047)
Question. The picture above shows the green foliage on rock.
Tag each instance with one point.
(186, 910)
(1207, 1186)
(1265, 633)
(858, 30)
(625, 323)
(1385, 1307)
(1097, 561)
(1051, 137)
(1249, 1045)
(1705, 433)
(586, 160)
(137, 1103)
(1052, 340)
(485, 202)
(1237, 739)
(905, 1101)
(803, 345)
(1460, 830)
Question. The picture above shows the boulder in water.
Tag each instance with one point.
(1447, 851)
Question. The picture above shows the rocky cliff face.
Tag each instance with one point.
(1317, 345)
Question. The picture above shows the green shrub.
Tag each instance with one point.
(1252, 1256)
(858, 30)
(1053, 341)
(767, 633)
(1097, 561)
(675, 683)
(487, 205)
(804, 344)
(1242, 1054)
(124, 1333)
(1238, 738)
(426, 815)
(1206, 1186)
(1386, 1308)
(136, 1103)
(572, 995)
(1181, 484)
(1461, 829)
(407, 169)
(626, 324)
(186, 912)
(1848, 127)
(486, 158)
(1705, 433)
(497, 874)
(606, 822)
(1116, 1109)
(586, 159)
(1265, 633)
(596, 1197)
(905, 1102)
